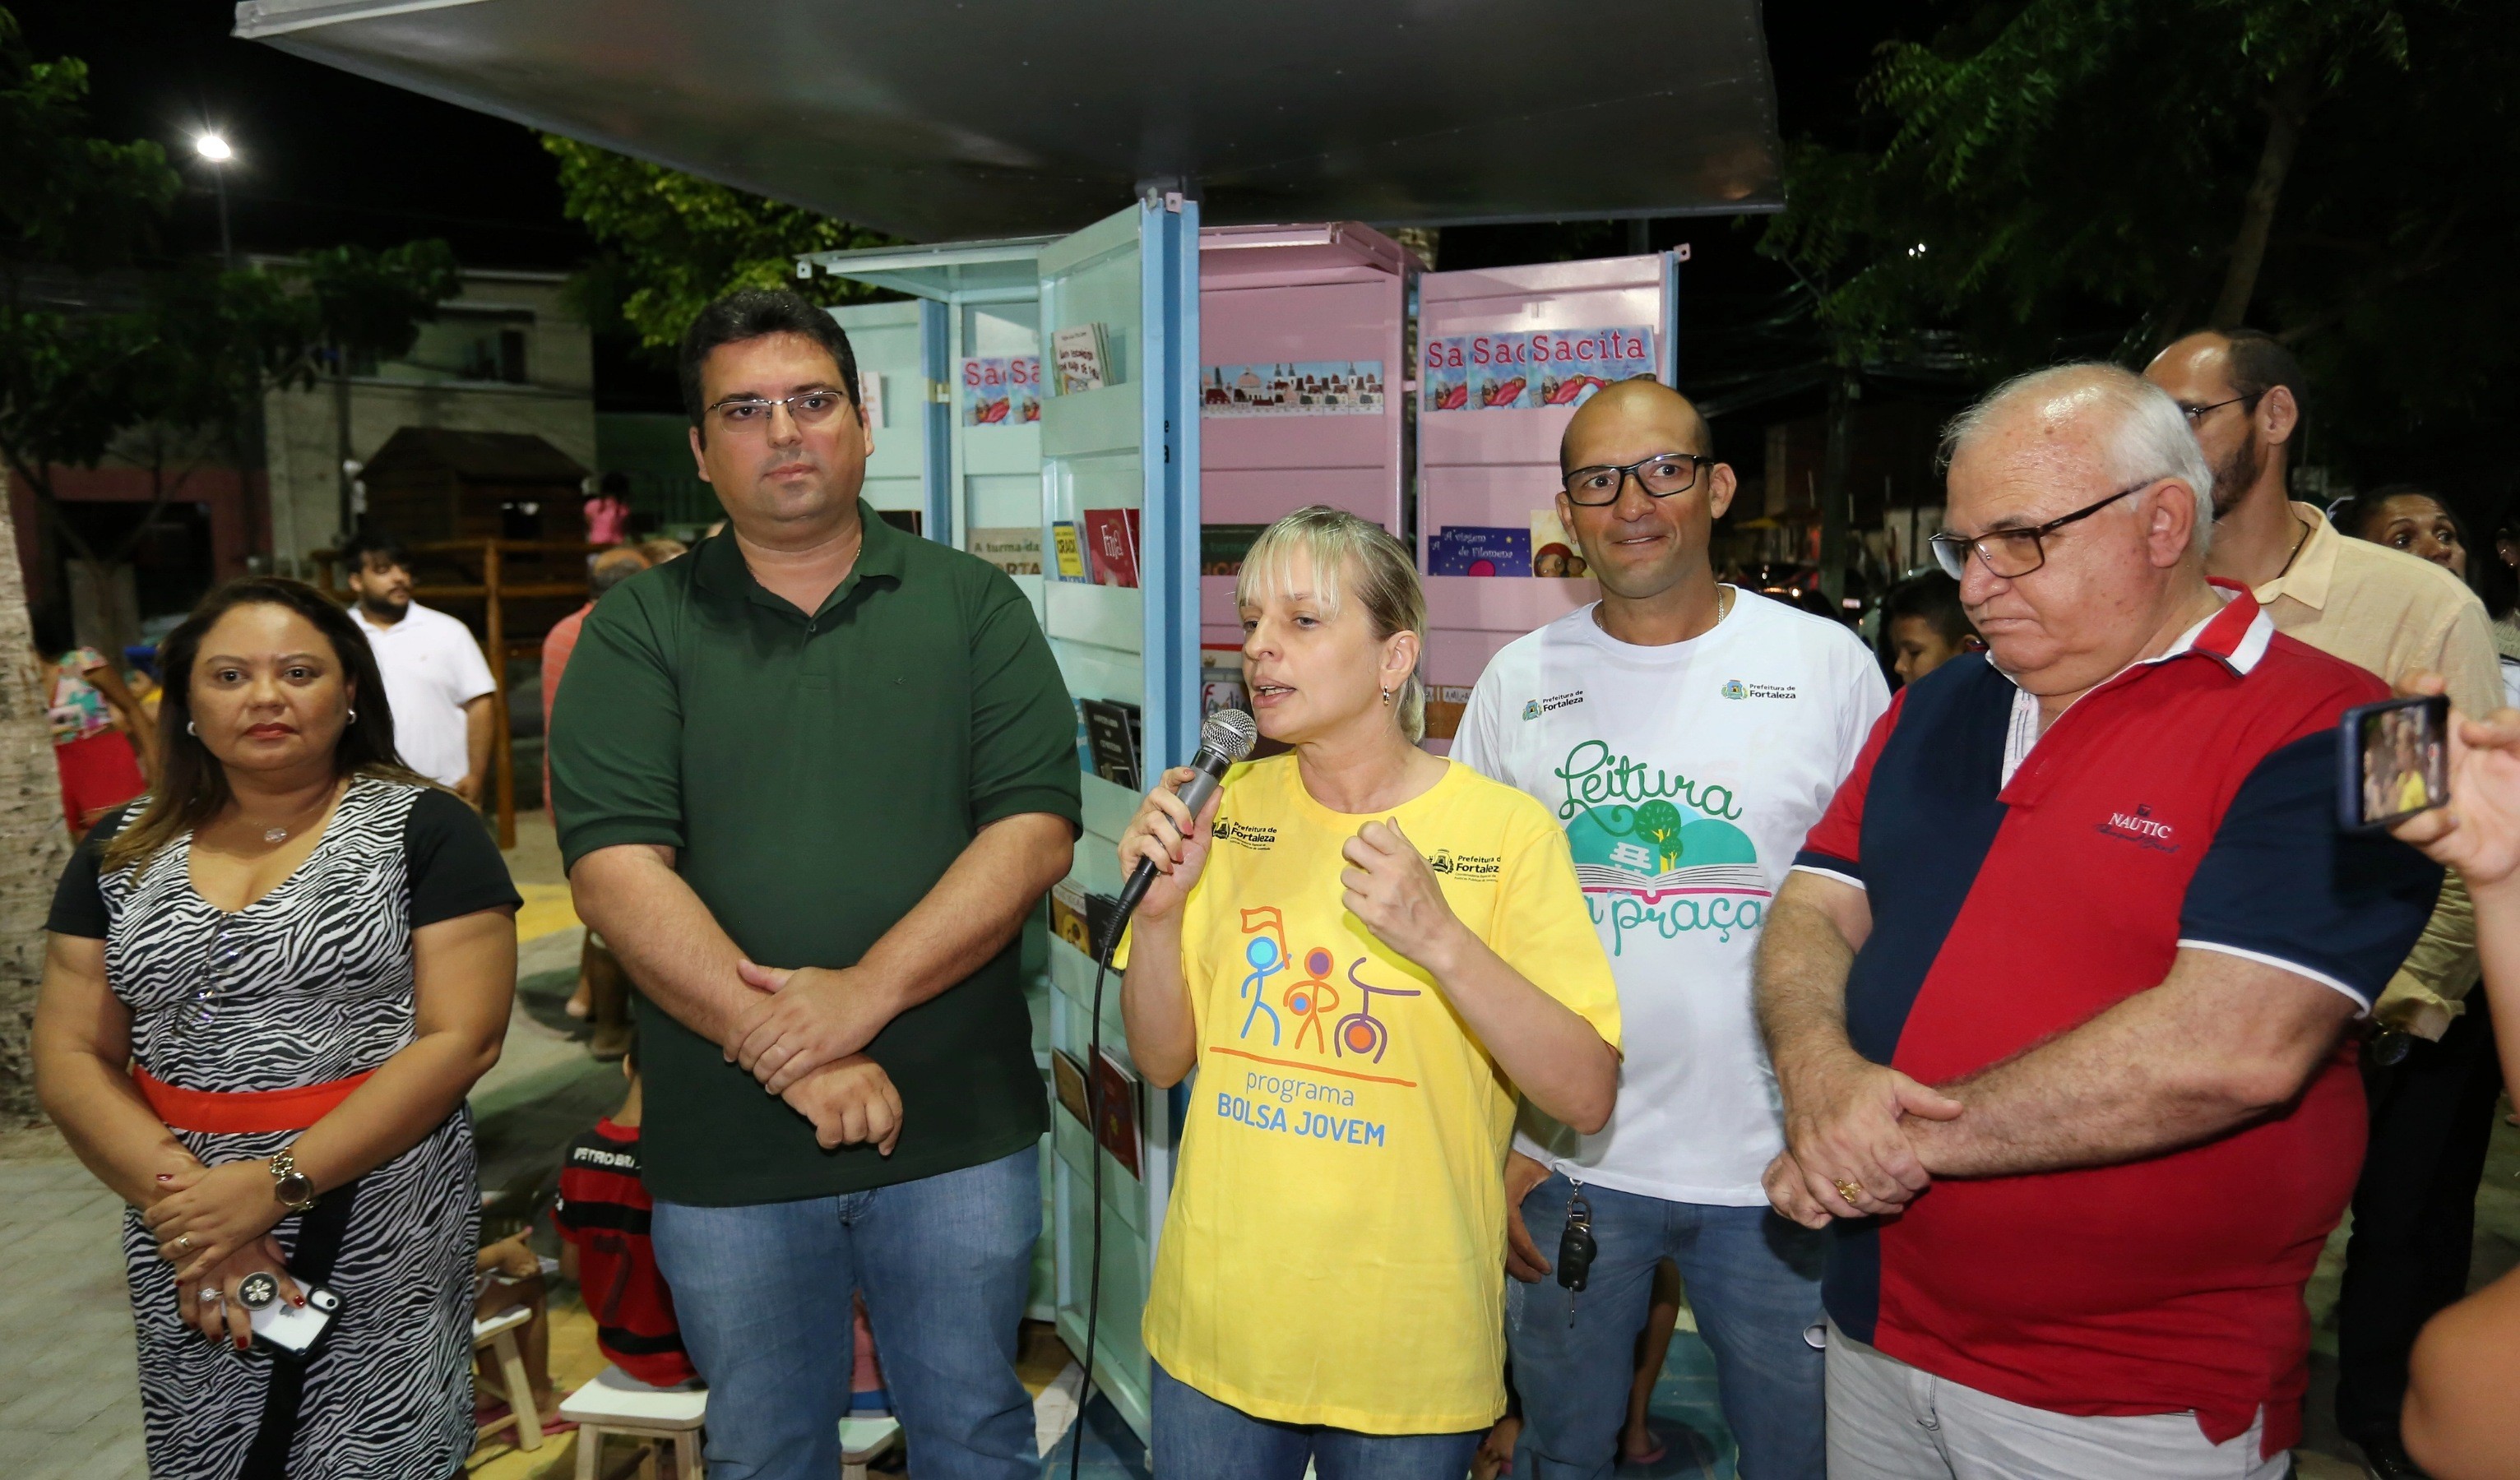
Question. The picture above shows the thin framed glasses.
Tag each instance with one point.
(2196, 414)
(219, 972)
(1661, 476)
(809, 407)
(2014, 553)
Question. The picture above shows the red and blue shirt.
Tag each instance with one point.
(2019, 884)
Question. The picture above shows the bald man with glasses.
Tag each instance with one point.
(2056, 990)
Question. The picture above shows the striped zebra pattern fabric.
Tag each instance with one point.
(310, 983)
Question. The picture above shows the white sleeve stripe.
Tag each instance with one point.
(2278, 962)
(1843, 878)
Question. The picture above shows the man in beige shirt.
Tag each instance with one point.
(2396, 616)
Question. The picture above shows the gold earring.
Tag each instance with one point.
(1386, 695)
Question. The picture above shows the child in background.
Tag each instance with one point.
(1923, 625)
(602, 1217)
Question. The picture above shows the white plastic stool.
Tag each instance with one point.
(865, 1439)
(499, 1333)
(616, 1403)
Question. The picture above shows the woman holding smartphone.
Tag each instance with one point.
(269, 986)
(1368, 952)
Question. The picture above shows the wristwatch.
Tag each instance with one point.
(294, 1187)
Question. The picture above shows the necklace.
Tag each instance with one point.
(2307, 530)
(279, 834)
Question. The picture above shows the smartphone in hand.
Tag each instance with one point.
(281, 1326)
(2393, 761)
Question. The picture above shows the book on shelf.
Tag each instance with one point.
(1444, 705)
(1069, 1077)
(1115, 1094)
(1068, 550)
(1220, 681)
(1479, 550)
(1111, 545)
(1084, 742)
(1554, 550)
(1222, 547)
(1083, 355)
(1014, 548)
(1112, 730)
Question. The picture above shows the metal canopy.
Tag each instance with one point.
(939, 121)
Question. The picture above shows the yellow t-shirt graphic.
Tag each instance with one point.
(1334, 1249)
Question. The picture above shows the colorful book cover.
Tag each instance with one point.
(1014, 548)
(1111, 546)
(1001, 390)
(1115, 1098)
(1292, 389)
(1222, 547)
(1083, 357)
(1220, 681)
(1521, 371)
(1067, 547)
(1069, 922)
(1553, 552)
(1479, 550)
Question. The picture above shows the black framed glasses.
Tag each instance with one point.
(810, 408)
(2014, 553)
(1661, 476)
(2196, 414)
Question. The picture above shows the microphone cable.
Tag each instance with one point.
(1094, 1148)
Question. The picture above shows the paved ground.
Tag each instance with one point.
(68, 1400)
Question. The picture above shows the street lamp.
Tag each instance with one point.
(215, 151)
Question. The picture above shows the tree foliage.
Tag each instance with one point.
(188, 348)
(675, 241)
(2060, 177)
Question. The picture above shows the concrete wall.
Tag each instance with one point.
(440, 383)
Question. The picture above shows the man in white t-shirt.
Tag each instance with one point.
(1687, 735)
(436, 679)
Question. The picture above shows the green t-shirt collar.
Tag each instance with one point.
(721, 568)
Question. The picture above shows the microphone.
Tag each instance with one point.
(1226, 737)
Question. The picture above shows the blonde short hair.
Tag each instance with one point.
(1343, 548)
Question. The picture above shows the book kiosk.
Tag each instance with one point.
(1219, 376)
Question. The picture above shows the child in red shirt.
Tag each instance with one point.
(603, 1216)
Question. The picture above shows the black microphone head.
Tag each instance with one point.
(1230, 732)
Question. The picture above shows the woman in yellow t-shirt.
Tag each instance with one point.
(1366, 952)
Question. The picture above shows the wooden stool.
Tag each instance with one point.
(616, 1403)
(865, 1439)
(499, 1333)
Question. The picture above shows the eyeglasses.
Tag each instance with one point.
(2014, 553)
(1661, 476)
(218, 967)
(809, 407)
(2196, 415)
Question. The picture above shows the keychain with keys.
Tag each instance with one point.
(1576, 1248)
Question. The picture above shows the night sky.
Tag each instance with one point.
(325, 158)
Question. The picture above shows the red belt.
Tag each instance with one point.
(242, 1112)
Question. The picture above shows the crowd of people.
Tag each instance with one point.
(1988, 1060)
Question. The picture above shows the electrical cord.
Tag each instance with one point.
(1094, 1145)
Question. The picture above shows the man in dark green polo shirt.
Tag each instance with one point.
(810, 780)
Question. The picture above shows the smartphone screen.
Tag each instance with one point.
(2395, 762)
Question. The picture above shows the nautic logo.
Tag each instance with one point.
(2139, 826)
(1736, 689)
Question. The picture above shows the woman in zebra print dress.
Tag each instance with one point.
(269, 988)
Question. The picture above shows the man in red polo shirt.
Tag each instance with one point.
(2055, 996)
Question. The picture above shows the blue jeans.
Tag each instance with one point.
(762, 1294)
(1198, 1438)
(1754, 1284)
